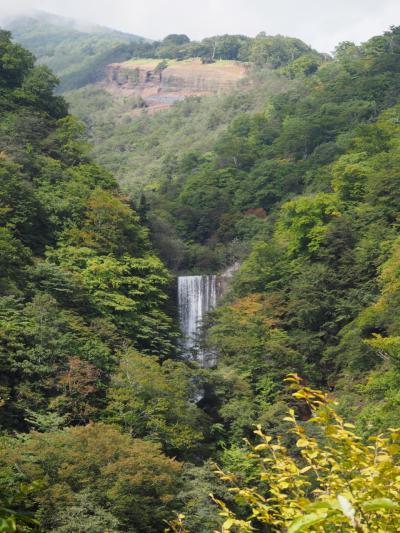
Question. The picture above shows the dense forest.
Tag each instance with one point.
(105, 426)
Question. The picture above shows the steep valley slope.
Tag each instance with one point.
(116, 83)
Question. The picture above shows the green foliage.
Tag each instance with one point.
(201, 513)
(338, 481)
(141, 148)
(296, 175)
(255, 355)
(274, 50)
(16, 62)
(130, 482)
(126, 291)
(304, 221)
(315, 127)
(277, 50)
(84, 515)
(74, 256)
(39, 343)
(317, 172)
(157, 401)
(109, 226)
(15, 512)
(331, 481)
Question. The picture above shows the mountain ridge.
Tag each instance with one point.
(16, 22)
(75, 52)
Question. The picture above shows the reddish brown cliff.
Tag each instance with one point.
(161, 85)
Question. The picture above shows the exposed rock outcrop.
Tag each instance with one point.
(160, 85)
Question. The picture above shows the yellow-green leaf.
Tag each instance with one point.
(304, 522)
(302, 443)
(380, 503)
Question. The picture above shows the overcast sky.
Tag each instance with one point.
(321, 23)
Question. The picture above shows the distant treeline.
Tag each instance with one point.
(277, 51)
(79, 58)
(273, 51)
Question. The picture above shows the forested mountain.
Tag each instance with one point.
(81, 291)
(104, 425)
(305, 194)
(76, 52)
(127, 138)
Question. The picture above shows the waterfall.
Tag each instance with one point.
(196, 296)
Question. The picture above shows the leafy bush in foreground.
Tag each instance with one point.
(332, 481)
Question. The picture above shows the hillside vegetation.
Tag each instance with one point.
(103, 425)
(129, 143)
(76, 53)
(138, 147)
(126, 140)
(305, 194)
(80, 286)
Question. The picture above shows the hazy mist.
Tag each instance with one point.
(321, 23)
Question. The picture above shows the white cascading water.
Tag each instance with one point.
(197, 295)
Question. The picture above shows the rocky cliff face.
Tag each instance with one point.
(122, 74)
(161, 85)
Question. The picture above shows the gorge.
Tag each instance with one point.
(109, 422)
